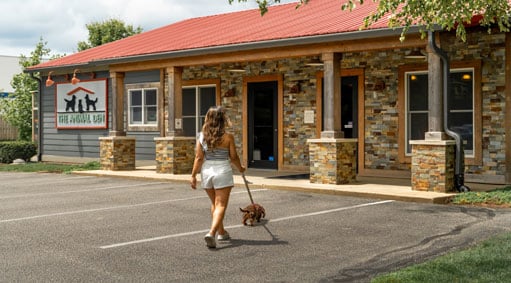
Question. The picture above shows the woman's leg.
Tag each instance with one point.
(219, 200)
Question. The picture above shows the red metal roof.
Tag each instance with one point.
(318, 17)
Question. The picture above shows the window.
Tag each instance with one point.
(196, 102)
(417, 107)
(143, 107)
(463, 115)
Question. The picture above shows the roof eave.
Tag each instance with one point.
(327, 38)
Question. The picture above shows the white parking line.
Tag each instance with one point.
(109, 208)
(81, 191)
(238, 226)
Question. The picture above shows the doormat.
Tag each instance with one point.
(291, 177)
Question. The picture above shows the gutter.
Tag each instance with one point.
(328, 38)
(459, 179)
(39, 116)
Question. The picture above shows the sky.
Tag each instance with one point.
(61, 23)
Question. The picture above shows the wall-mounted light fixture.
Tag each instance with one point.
(75, 80)
(415, 54)
(49, 81)
(466, 77)
(315, 62)
(236, 69)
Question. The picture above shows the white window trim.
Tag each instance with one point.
(153, 126)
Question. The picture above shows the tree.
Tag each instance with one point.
(16, 109)
(107, 31)
(447, 14)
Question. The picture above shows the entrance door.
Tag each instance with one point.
(262, 125)
(349, 106)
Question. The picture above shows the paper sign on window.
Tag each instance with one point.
(82, 105)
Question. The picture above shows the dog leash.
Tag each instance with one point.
(246, 185)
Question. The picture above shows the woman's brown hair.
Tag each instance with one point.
(214, 126)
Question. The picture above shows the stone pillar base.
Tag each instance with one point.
(333, 161)
(175, 155)
(117, 153)
(433, 165)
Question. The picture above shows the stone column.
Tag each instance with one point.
(117, 152)
(433, 166)
(174, 153)
(333, 161)
(433, 159)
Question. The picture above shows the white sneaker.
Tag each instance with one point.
(224, 237)
(210, 241)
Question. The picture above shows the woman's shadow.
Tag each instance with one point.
(233, 243)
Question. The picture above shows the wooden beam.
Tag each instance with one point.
(274, 53)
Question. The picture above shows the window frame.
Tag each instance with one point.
(197, 84)
(144, 126)
(476, 157)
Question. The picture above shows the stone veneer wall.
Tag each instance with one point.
(381, 144)
(490, 49)
(294, 71)
(175, 155)
(333, 161)
(117, 153)
(433, 166)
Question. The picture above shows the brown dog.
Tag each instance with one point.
(251, 213)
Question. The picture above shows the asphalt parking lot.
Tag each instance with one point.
(69, 228)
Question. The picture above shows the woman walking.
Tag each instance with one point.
(214, 154)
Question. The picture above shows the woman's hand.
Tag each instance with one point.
(193, 182)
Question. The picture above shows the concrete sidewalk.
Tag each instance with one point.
(379, 188)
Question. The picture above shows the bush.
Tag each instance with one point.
(9, 151)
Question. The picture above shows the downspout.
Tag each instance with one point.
(459, 168)
(39, 116)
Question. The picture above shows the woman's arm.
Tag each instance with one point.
(197, 164)
(233, 154)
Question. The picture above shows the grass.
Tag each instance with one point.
(486, 262)
(498, 198)
(49, 167)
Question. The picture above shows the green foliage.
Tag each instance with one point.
(500, 196)
(486, 262)
(9, 151)
(50, 167)
(107, 31)
(427, 14)
(17, 108)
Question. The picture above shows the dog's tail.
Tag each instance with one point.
(243, 210)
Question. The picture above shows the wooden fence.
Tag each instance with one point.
(7, 132)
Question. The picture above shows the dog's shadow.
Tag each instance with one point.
(233, 243)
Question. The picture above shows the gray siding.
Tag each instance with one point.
(68, 143)
(85, 143)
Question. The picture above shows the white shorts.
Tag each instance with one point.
(216, 174)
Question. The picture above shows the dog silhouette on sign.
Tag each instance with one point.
(80, 106)
(70, 103)
(89, 102)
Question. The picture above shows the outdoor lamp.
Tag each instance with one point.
(49, 81)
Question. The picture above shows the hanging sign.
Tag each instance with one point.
(82, 105)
